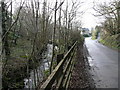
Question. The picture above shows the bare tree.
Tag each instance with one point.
(54, 31)
(111, 12)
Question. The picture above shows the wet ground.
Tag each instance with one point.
(104, 64)
(81, 78)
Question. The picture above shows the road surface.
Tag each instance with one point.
(104, 64)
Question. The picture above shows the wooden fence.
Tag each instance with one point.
(60, 76)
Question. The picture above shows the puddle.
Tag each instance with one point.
(90, 60)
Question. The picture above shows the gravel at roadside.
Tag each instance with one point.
(81, 79)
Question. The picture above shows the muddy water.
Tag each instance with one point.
(30, 82)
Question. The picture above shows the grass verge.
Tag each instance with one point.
(112, 41)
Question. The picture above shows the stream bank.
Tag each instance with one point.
(20, 77)
(39, 74)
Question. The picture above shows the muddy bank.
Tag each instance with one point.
(81, 78)
(16, 70)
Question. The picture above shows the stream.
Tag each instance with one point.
(45, 63)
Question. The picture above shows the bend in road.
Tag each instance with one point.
(104, 64)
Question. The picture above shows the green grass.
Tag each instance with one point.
(16, 65)
(111, 41)
(93, 38)
(20, 53)
(47, 72)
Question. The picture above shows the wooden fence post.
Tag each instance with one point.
(59, 58)
(59, 75)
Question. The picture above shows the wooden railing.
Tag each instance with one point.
(60, 76)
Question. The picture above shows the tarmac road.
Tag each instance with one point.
(104, 64)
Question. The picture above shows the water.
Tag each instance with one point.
(90, 60)
(30, 82)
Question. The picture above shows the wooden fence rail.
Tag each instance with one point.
(60, 76)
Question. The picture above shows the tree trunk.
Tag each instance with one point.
(53, 36)
(5, 47)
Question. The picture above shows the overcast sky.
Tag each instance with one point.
(88, 19)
